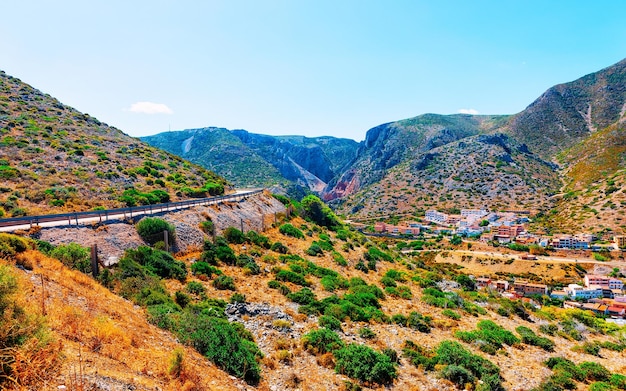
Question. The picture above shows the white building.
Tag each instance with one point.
(576, 291)
(436, 217)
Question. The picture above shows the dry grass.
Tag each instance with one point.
(112, 335)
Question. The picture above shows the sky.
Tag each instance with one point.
(314, 68)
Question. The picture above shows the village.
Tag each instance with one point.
(602, 294)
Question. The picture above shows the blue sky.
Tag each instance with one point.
(302, 67)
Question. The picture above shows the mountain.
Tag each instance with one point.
(569, 138)
(249, 159)
(54, 158)
(390, 144)
(566, 114)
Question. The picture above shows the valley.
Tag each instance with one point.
(443, 252)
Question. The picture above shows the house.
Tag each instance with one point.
(526, 288)
(482, 282)
(616, 311)
(603, 281)
(559, 295)
(436, 217)
(502, 285)
(576, 291)
(473, 213)
(596, 308)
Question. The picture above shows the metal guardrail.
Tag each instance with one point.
(129, 212)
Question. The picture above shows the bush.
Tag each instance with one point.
(315, 210)
(329, 322)
(451, 314)
(203, 268)
(290, 230)
(74, 256)
(365, 364)
(11, 245)
(207, 227)
(314, 250)
(304, 296)
(491, 336)
(220, 341)
(419, 322)
(233, 235)
(288, 275)
(195, 288)
(151, 230)
(159, 263)
(366, 333)
(458, 375)
(279, 248)
(529, 337)
(322, 341)
(593, 371)
(224, 282)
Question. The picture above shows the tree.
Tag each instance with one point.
(318, 212)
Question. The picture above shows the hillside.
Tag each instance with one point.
(370, 297)
(249, 159)
(486, 171)
(569, 138)
(55, 159)
(568, 113)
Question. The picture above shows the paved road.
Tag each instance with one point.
(105, 216)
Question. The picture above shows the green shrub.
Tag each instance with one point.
(288, 275)
(322, 341)
(238, 298)
(419, 322)
(451, 314)
(315, 210)
(279, 248)
(11, 245)
(195, 288)
(329, 322)
(182, 299)
(529, 337)
(74, 256)
(233, 235)
(593, 371)
(618, 381)
(366, 333)
(151, 230)
(339, 259)
(365, 364)
(220, 342)
(159, 263)
(457, 375)
(224, 283)
(207, 227)
(491, 336)
(388, 282)
(290, 230)
(258, 239)
(314, 250)
(304, 296)
(601, 386)
(161, 315)
(203, 268)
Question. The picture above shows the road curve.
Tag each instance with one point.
(102, 216)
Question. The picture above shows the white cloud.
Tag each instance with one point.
(468, 111)
(150, 108)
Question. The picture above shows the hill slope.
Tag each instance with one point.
(569, 137)
(54, 158)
